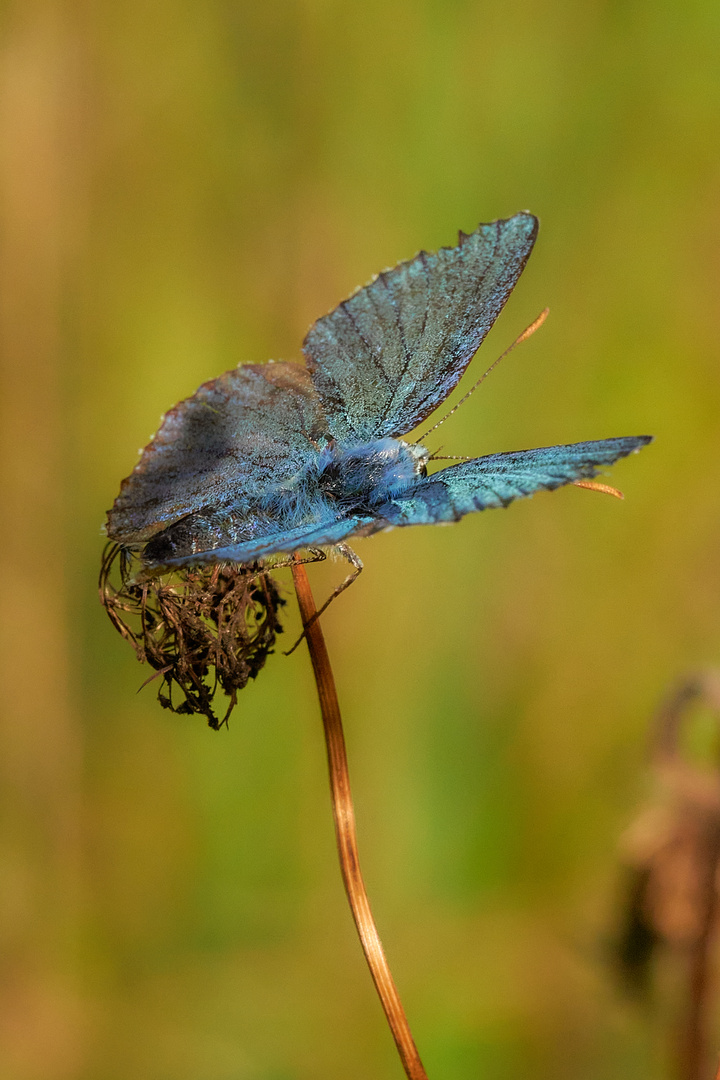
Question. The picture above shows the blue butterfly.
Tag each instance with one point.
(273, 458)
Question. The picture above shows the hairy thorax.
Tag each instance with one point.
(363, 476)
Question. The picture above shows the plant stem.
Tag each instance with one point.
(344, 815)
(693, 1042)
(694, 1038)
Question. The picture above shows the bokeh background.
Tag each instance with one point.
(186, 187)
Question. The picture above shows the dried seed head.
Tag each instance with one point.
(200, 628)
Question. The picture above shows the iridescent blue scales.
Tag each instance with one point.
(275, 458)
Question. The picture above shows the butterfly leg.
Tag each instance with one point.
(279, 562)
(355, 562)
(315, 555)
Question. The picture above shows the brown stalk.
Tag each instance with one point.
(344, 815)
(693, 1036)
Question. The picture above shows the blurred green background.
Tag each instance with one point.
(186, 187)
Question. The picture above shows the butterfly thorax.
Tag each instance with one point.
(365, 475)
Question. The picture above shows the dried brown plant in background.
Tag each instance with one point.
(672, 856)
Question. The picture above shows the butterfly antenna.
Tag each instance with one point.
(528, 332)
(592, 485)
(450, 457)
(437, 456)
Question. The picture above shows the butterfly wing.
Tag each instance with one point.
(236, 440)
(387, 356)
(498, 479)
(330, 530)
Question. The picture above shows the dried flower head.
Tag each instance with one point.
(200, 628)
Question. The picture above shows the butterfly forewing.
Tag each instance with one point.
(385, 358)
(498, 479)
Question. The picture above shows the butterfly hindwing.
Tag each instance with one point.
(385, 358)
(330, 531)
(237, 437)
(497, 479)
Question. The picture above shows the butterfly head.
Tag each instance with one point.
(420, 456)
